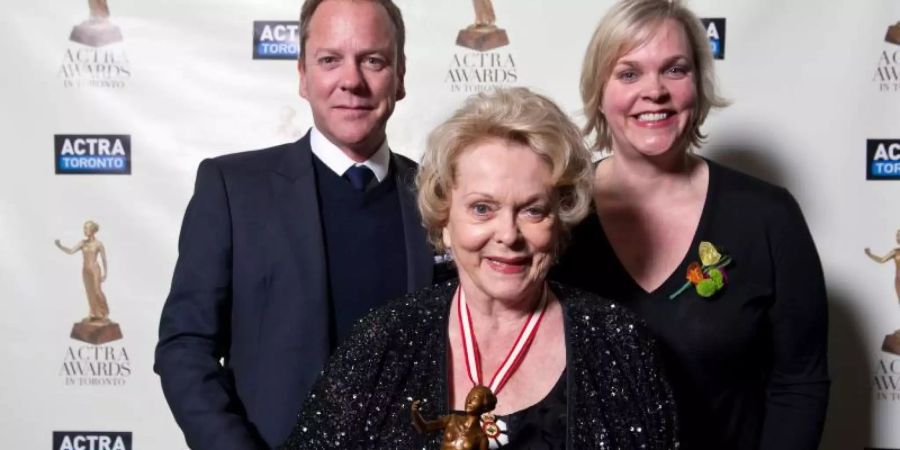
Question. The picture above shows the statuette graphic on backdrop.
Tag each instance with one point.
(96, 328)
(891, 342)
(887, 70)
(97, 30)
(893, 34)
(484, 34)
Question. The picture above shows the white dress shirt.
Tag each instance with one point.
(335, 159)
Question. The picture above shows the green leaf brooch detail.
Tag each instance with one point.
(708, 276)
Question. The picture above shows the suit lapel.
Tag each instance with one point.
(294, 188)
(419, 257)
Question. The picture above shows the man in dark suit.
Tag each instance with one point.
(282, 249)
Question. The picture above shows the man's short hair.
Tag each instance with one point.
(310, 6)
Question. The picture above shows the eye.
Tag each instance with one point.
(481, 209)
(627, 75)
(535, 212)
(328, 61)
(375, 62)
(678, 71)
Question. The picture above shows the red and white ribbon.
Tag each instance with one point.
(516, 353)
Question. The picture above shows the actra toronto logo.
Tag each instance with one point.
(276, 39)
(91, 440)
(883, 159)
(98, 57)
(108, 154)
(715, 32)
(483, 68)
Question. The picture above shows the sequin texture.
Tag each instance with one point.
(616, 398)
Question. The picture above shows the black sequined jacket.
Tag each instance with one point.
(616, 395)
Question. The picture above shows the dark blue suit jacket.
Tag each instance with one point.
(244, 331)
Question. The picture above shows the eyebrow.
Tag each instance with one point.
(666, 62)
(491, 198)
(366, 51)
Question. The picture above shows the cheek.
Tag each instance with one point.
(684, 94)
(462, 236)
(616, 100)
(540, 237)
(469, 238)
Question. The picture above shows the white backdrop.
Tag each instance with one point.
(801, 75)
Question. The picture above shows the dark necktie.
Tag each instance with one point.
(359, 177)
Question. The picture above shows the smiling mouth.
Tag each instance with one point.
(654, 117)
(355, 108)
(508, 265)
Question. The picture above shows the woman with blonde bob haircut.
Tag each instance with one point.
(500, 184)
(719, 264)
(516, 115)
(629, 25)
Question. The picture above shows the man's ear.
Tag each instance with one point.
(301, 70)
(401, 86)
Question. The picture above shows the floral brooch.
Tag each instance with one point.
(708, 276)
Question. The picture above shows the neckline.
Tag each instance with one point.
(554, 391)
(699, 231)
(445, 366)
(560, 382)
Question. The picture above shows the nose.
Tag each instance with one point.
(507, 231)
(351, 76)
(655, 89)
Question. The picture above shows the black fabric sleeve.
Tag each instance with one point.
(336, 412)
(617, 374)
(654, 399)
(194, 332)
(797, 391)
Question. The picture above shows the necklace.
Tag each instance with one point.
(495, 429)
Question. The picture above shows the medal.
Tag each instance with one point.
(494, 428)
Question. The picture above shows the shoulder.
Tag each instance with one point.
(403, 162)
(596, 317)
(406, 169)
(423, 308)
(266, 159)
(752, 198)
(734, 184)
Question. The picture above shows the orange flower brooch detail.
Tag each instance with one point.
(708, 276)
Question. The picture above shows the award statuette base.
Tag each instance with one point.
(95, 33)
(96, 332)
(482, 38)
(893, 34)
(891, 343)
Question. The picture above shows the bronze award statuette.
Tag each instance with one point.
(461, 431)
(97, 31)
(893, 34)
(891, 342)
(96, 328)
(482, 35)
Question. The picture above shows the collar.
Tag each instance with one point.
(335, 159)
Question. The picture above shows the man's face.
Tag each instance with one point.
(349, 74)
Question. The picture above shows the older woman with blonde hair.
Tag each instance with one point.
(720, 265)
(501, 183)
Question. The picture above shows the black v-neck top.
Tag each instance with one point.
(748, 365)
(541, 426)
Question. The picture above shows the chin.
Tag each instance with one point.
(353, 135)
(510, 290)
(656, 146)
